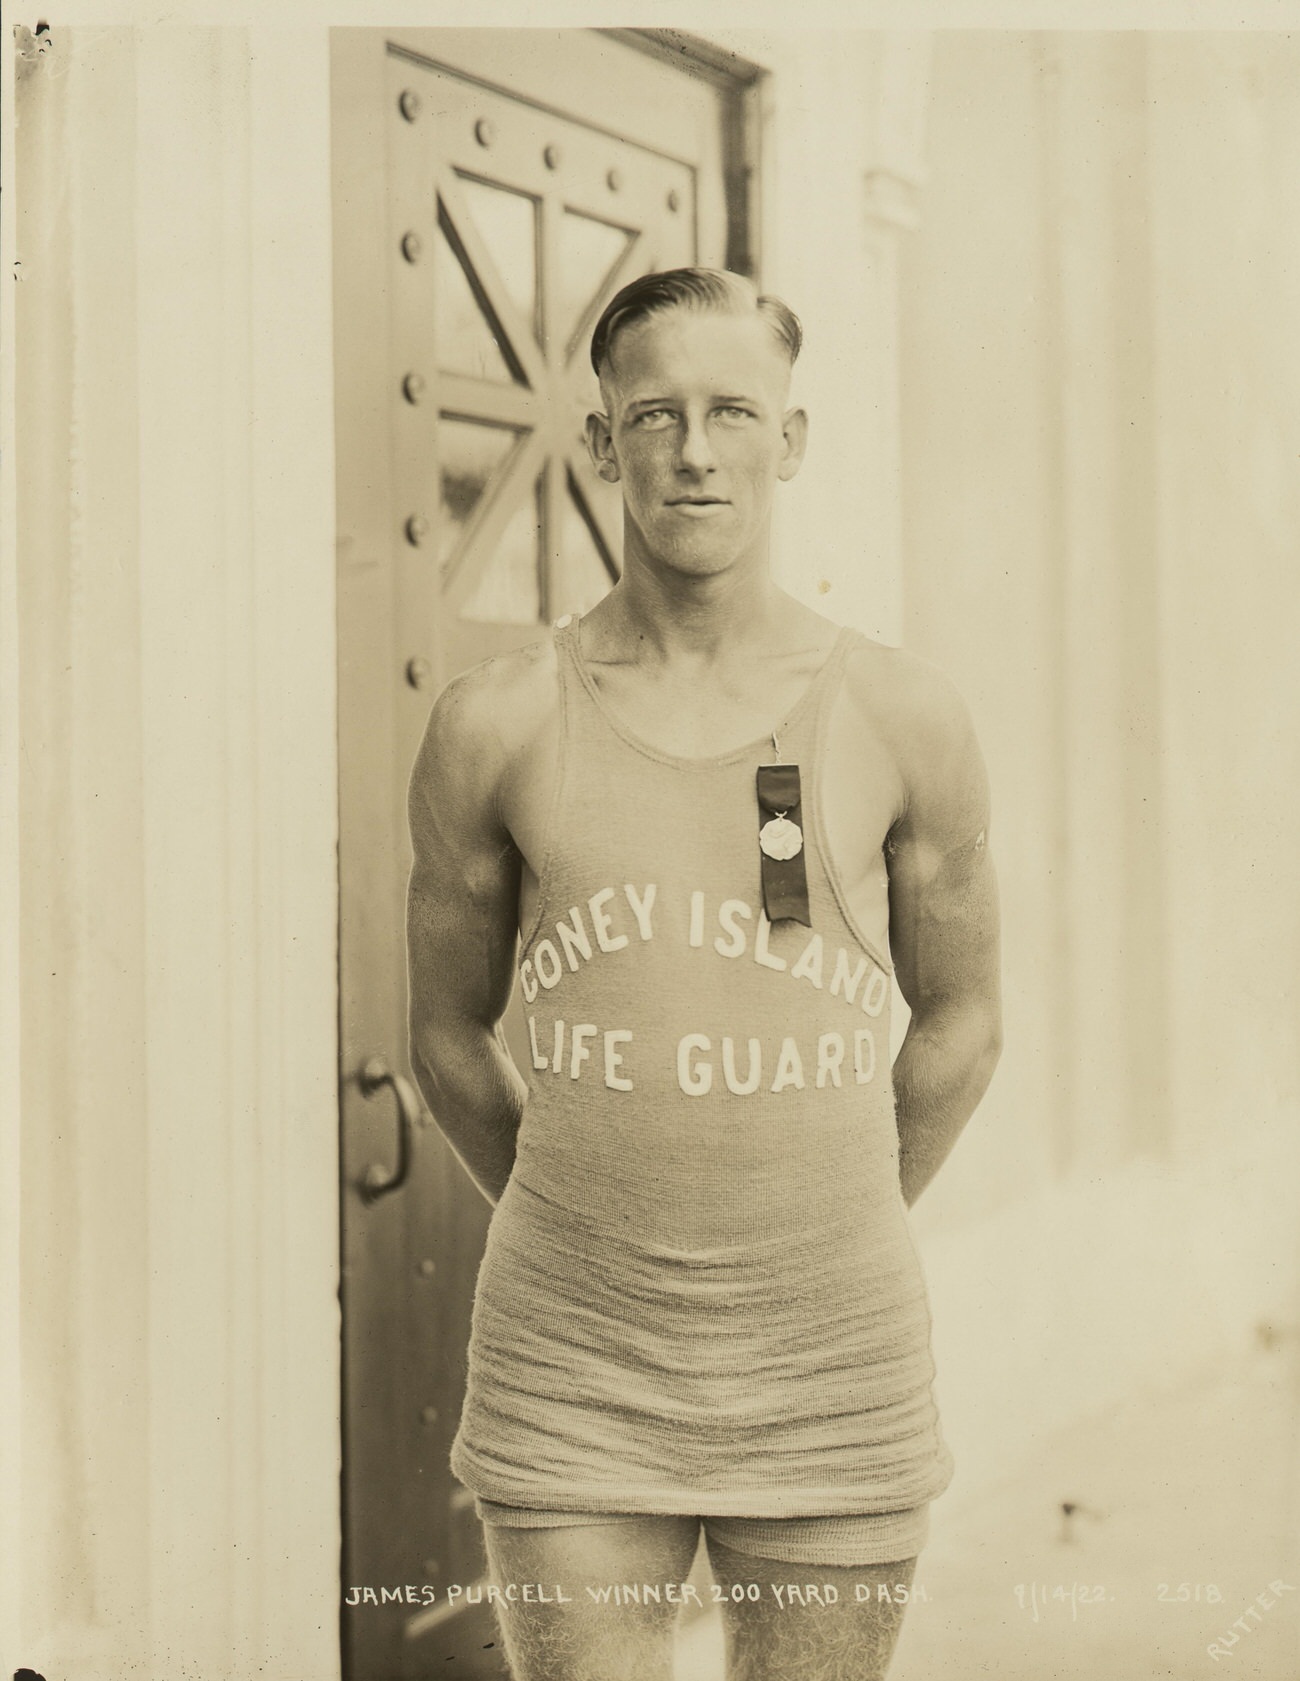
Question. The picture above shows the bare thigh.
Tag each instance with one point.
(584, 1640)
(774, 1637)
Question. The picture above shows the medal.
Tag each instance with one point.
(780, 838)
(780, 842)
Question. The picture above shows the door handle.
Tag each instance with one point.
(378, 1181)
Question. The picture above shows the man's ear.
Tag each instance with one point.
(600, 447)
(794, 431)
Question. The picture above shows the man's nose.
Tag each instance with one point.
(695, 450)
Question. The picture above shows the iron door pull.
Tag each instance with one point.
(377, 1181)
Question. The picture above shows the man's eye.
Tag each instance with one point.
(733, 412)
(654, 418)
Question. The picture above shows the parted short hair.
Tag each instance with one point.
(700, 289)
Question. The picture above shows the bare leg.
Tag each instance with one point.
(586, 1640)
(775, 1637)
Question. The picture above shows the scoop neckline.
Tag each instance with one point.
(570, 632)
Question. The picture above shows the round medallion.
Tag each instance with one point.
(780, 838)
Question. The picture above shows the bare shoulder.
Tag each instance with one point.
(904, 695)
(484, 722)
(917, 713)
(494, 706)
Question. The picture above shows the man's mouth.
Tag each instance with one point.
(698, 502)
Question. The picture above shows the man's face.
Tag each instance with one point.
(696, 434)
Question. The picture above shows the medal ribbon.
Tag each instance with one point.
(785, 880)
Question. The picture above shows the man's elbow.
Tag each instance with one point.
(973, 1030)
(987, 1044)
(428, 1057)
(445, 1048)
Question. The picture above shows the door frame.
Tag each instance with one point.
(742, 87)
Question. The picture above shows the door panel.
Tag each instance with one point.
(492, 189)
(514, 224)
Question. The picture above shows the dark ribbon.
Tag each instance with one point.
(785, 881)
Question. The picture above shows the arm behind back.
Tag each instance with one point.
(462, 912)
(944, 932)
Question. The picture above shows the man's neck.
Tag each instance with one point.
(668, 615)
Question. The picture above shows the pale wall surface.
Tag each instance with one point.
(1225, 267)
(1101, 424)
(177, 831)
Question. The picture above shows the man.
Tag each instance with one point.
(713, 819)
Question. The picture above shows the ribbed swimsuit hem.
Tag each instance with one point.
(628, 1499)
(835, 1539)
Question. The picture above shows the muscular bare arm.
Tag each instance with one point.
(943, 909)
(462, 909)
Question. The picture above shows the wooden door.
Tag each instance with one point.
(492, 189)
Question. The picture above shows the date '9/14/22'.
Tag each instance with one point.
(1037, 1598)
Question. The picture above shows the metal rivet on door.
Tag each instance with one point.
(417, 529)
(413, 387)
(551, 157)
(674, 201)
(412, 246)
(429, 1415)
(485, 131)
(428, 1267)
(408, 103)
(614, 180)
(418, 672)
